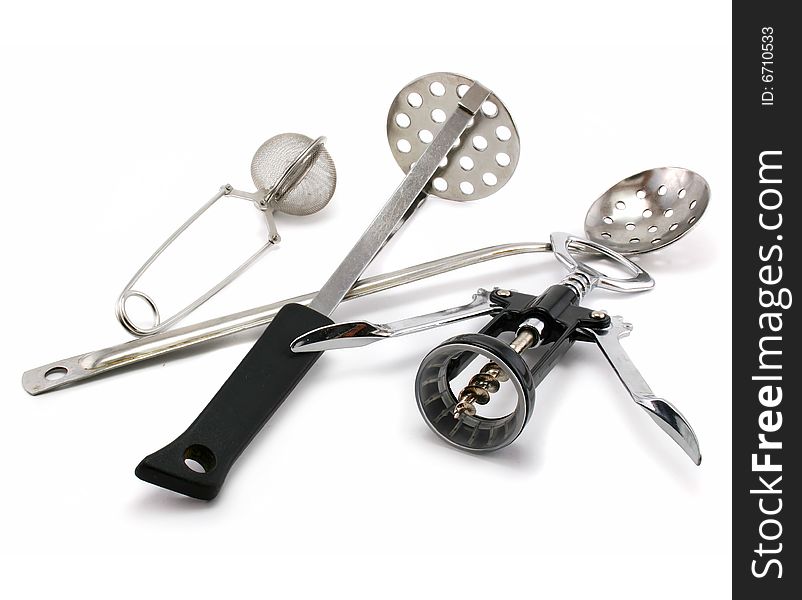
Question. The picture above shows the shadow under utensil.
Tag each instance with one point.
(167, 501)
(622, 414)
(694, 252)
(527, 451)
(159, 500)
(665, 454)
(516, 456)
(547, 405)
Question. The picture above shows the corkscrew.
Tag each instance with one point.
(549, 323)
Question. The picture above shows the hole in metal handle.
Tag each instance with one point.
(55, 373)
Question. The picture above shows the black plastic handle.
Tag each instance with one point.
(250, 396)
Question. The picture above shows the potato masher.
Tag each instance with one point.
(460, 115)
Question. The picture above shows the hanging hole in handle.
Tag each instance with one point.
(143, 309)
(199, 458)
(56, 373)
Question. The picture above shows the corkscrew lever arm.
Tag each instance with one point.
(661, 411)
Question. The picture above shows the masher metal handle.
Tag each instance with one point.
(270, 371)
(405, 199)
(661, 411)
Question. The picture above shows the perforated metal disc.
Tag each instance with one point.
(487, 153)
(313, 191)
(648, 210)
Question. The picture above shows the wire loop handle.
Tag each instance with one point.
(158, 324)
(266, 200)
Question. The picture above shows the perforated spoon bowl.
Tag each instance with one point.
(648, 210)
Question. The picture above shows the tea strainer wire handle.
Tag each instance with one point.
(128, 292)
(268, 198)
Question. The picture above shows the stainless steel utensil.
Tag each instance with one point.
(483, 159)
(361, 333)
(84, 366)
(553, 319)
(292, 173)
(581, 279)
(649, 210)
(87, 365)
(270, 371)
(662, 412)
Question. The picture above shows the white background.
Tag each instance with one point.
(117, 123)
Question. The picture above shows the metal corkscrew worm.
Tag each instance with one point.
(529, 335)
(488, 381)
(552, 321)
